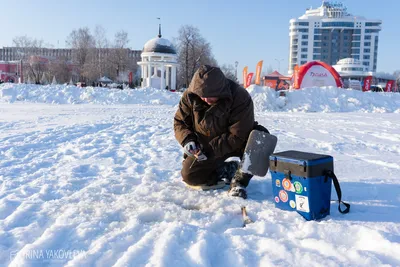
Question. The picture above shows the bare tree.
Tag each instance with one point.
(119, 55)
(229, 71)
(397, 75)
(102, 45)
(193, 51)
(59, 68)
(29, 51)
(83, 44)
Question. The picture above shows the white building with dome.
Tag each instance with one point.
(159, 64)
(351, 70)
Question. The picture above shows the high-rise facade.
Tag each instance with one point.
(329, 33)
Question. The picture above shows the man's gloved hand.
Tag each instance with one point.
(192, 149)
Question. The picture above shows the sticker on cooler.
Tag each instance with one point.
(298, 187)
(286, 184)
(277, 199)
(283, 196)
(302, 203)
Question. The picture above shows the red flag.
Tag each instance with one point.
(130, 77)
(249, 77)
(389, 86)
(367, 83)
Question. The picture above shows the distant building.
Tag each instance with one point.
(15, 53)
(329, 34)
(159, 63)
(352, 70)
(10, 71)
(11, 65)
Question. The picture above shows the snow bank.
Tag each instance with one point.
(325, 99)
(68, 94)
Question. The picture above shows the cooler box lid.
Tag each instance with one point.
(301, 163)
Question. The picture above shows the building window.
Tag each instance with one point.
(367, 43)
(372, 24)
(357, 31)
(317, 37)
(304, 43)
(317, 30)
(304, 37)
(366, 57)
(317, 44)
(367, 37)
(303, 62)
(367, 50)
(366, 63)
(304, 50)
(356, 57)
(338, 24)
(302, 23)
(303, 56)
(317, 50)
(357, 38)
(303, 30)
(370, 31)
(356, 44)
(355, 50)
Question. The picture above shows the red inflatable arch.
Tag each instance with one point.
(316, 73)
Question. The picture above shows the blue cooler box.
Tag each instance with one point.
(299, 183)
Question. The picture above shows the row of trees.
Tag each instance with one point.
(93, 56)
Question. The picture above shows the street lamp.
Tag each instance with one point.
(236, 65)
(279, 64)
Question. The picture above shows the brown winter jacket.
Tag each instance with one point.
(222, 128)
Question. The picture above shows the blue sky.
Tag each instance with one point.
(243, 31)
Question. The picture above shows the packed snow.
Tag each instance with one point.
(91, 177)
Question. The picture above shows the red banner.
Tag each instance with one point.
(249, 77)
(389, 86)
(130, 77)
(367, 83)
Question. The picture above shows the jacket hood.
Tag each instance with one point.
(209, 81)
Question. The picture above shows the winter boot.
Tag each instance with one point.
(239, 184)
(228, 169)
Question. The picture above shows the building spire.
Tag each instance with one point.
(159, 29)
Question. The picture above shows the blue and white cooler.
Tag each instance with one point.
(301, 182)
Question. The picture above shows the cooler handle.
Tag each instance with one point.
(332, 175)
(288, 174)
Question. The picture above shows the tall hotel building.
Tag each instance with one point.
(329, 33)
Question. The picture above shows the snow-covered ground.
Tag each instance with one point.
(94, 181)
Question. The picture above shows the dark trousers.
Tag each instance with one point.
(203, 172)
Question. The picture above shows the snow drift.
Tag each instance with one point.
(325, 99)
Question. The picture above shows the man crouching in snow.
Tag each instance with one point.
(213, 123)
